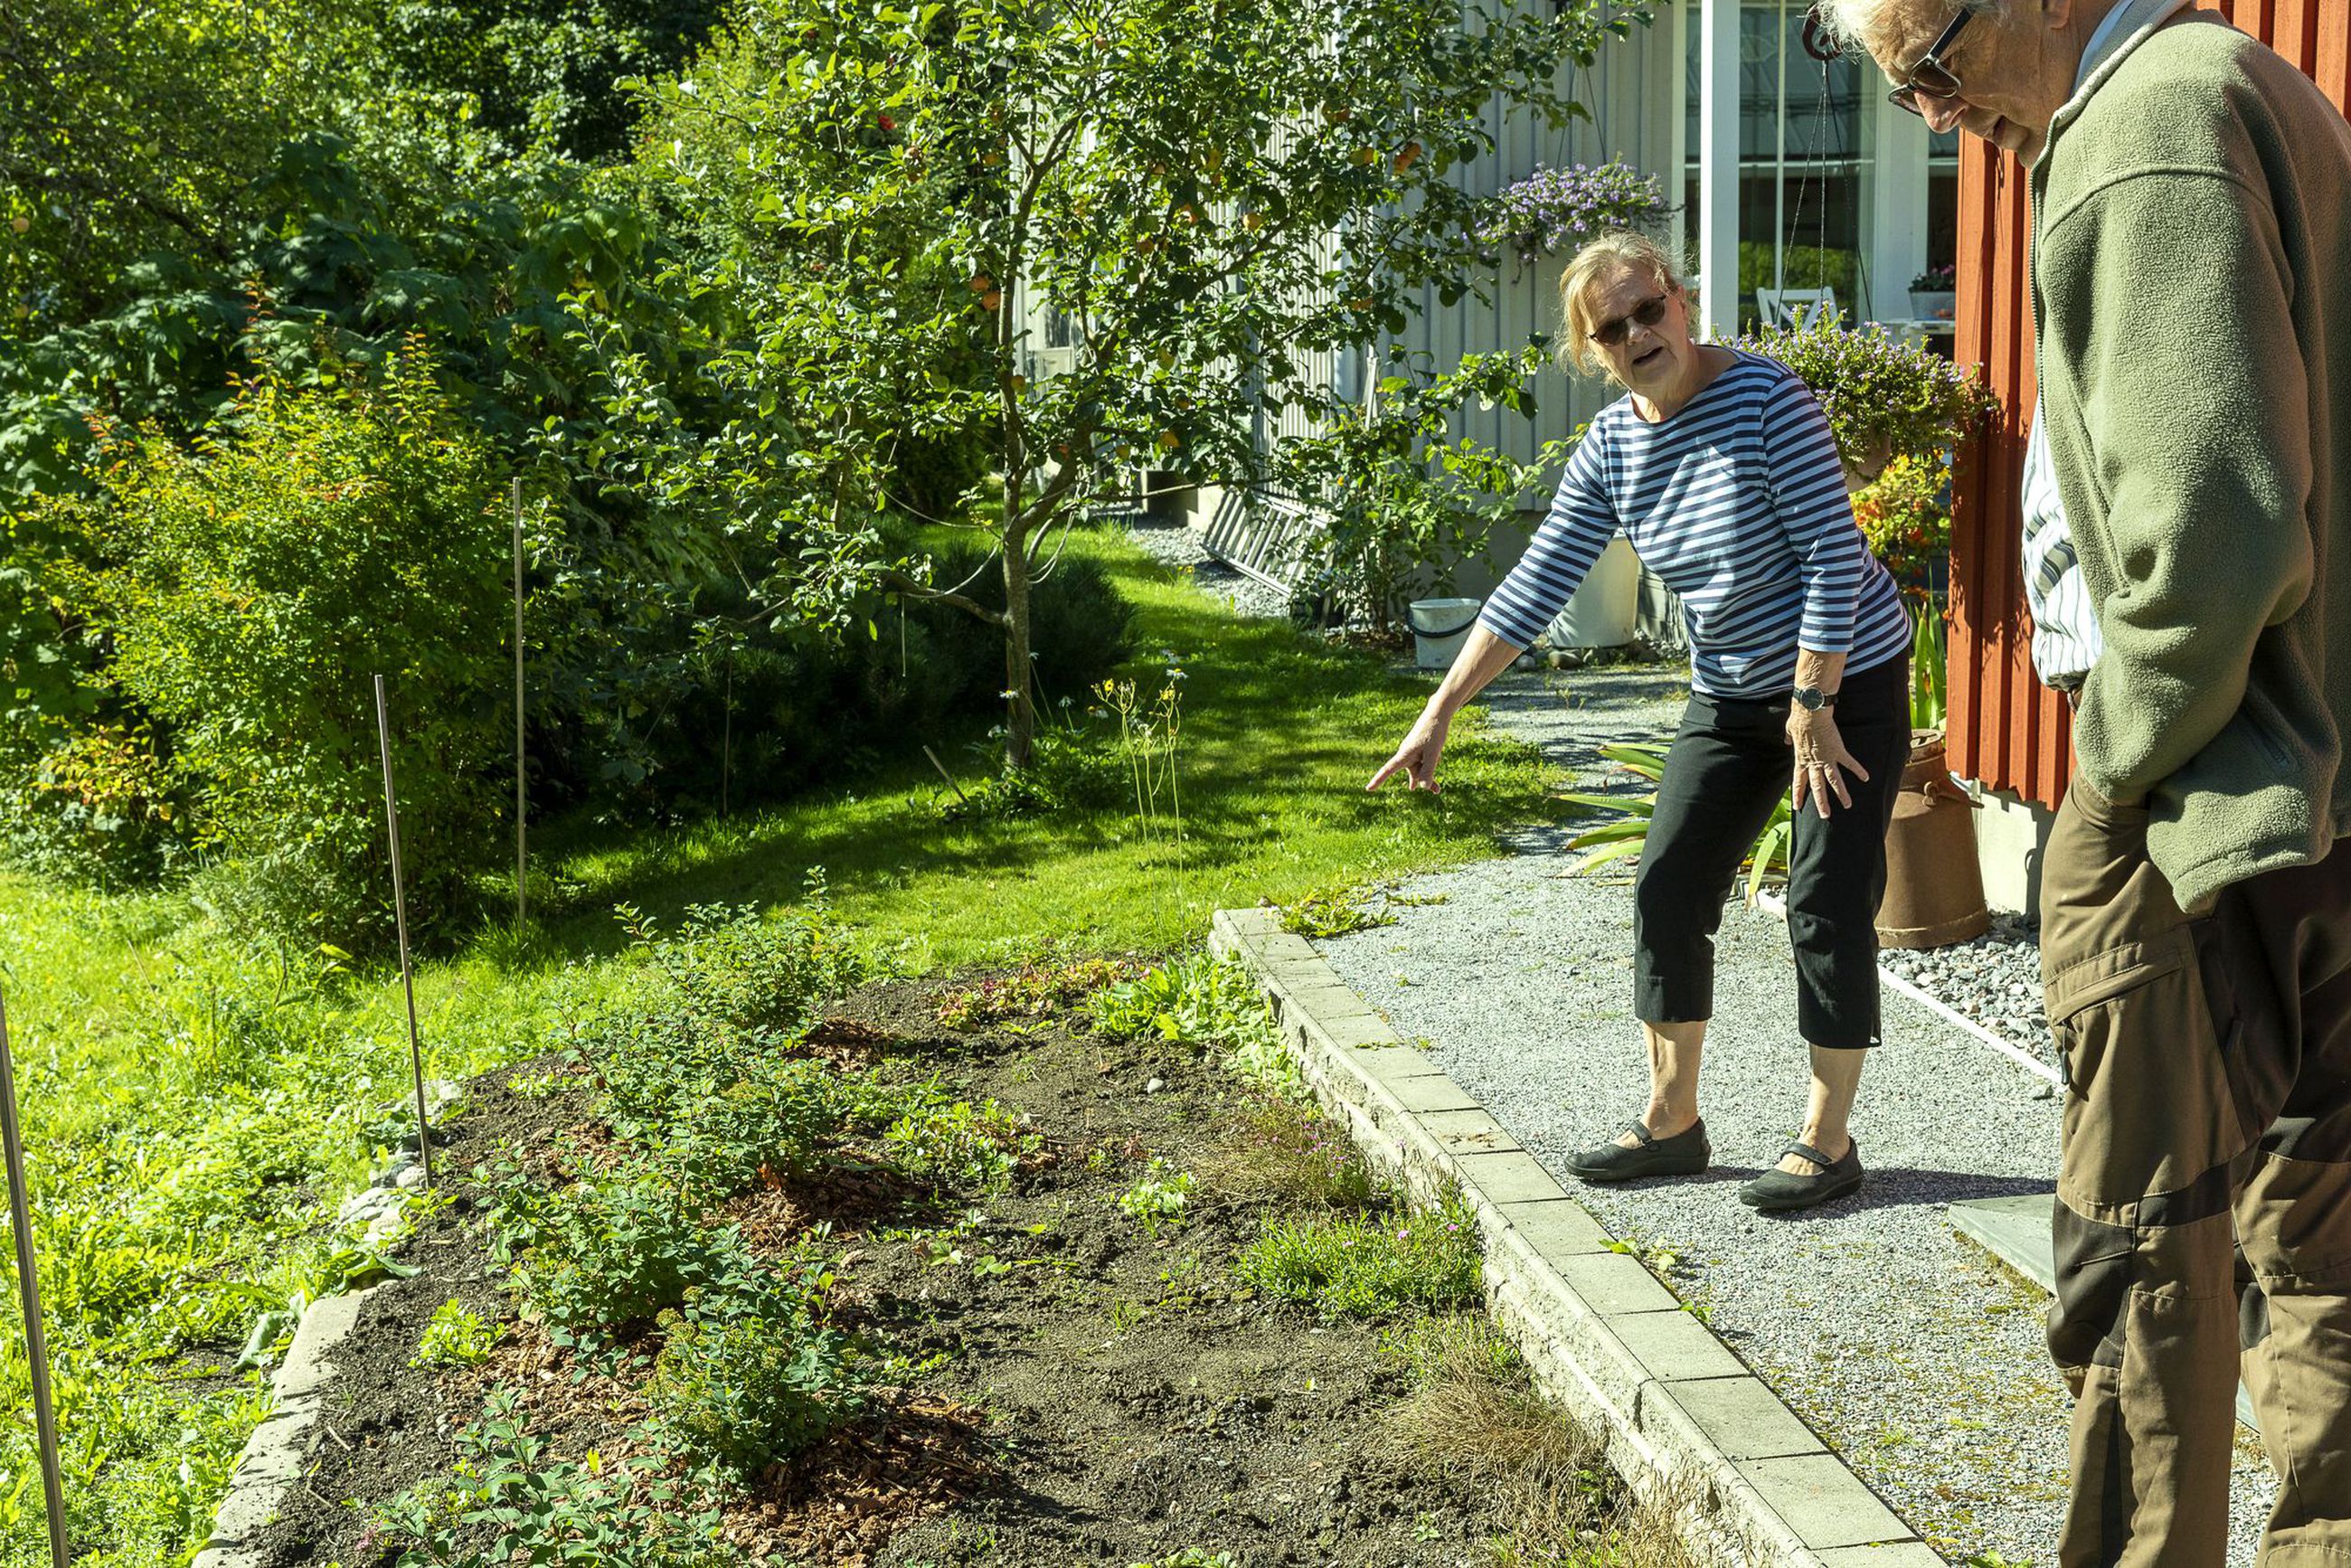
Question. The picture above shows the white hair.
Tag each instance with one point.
(1852, 23)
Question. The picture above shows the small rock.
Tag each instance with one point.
(1154, 1087)
(409, 1176)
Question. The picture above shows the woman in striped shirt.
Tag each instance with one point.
(1719, 466)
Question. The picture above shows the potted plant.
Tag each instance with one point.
(1884, 398)
(1554, 211)
(1934, 293)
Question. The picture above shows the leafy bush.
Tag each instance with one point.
(1069, 770)
(972, 1148)
(748, 975)
(1884, 399)
(528, 1506)
(749, 1375)
(1800, 267)
(1368, 1265)
(693, 1063)
(1206, 1002)
(1160, 1200)
(248, 585)
(603, 1252)
(456, 1336)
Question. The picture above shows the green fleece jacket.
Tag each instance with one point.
(2191, 278)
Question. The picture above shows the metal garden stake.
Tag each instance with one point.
(522, 808)
(399, 913)
(28, 1286)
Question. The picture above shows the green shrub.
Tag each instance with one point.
(1069, 771)
(1160, 1200)
(749, 1375)
(510, 1501)
(251, 582)
(1081, 626)
(456, 1336)
(749, 975)
(971, 1148)
(1802, 267)
(1206, 1002)
(605, 1252)
(766, 712)
(692, 1062)
(1368, 1265)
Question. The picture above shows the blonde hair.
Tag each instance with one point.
(1619, 250)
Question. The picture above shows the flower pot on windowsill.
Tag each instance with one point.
(1934, 304)
(1934, 884)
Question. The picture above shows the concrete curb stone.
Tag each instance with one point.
(279, 1450)
(1684, 1419)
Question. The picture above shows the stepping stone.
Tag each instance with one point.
(2016, 1231)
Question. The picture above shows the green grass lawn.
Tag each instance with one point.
(195, 1112)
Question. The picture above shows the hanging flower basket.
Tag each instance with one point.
(1553, 211)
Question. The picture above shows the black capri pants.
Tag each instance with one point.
(1729, 765)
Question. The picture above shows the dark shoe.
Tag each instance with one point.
(1776, 1189)
(1684, 1153)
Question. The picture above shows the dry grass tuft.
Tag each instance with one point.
(1285, 1148)
(1474, 1411)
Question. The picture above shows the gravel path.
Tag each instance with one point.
(1914, 1354)
(1174, 545)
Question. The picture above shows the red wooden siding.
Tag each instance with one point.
(2006, 729)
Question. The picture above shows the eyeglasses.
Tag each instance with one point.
(1648, 313)
(1930, 77)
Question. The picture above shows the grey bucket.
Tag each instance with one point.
(1439, 627)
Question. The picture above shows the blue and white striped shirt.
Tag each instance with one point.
(1737, 502)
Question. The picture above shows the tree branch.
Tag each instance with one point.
(898, 581)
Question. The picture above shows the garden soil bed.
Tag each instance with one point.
(1098, 1395)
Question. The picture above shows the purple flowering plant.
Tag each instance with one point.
(1556, 210)
(1884, 398)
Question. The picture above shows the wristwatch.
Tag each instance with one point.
(1812, 699)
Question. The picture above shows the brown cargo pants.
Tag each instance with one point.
(2204, 1196)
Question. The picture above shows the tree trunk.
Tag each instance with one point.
(1021, 709)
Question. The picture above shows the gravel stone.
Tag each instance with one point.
(1994, 980)
(1915, 1356)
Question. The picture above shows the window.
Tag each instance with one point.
(1811, 174)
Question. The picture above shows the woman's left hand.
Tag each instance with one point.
(1821, 760)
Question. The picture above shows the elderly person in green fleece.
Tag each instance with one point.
(2191, 278)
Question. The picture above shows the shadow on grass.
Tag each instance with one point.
(1279, 735)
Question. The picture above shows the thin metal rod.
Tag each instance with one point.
(522, 862)
(727, 747)
(399, 913)
(946, 775)
(28, 1286)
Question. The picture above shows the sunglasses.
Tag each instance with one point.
(1648, 313)
(1930, 77)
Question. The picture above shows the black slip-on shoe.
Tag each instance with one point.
(1777, 1190)
(1684, 1153)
